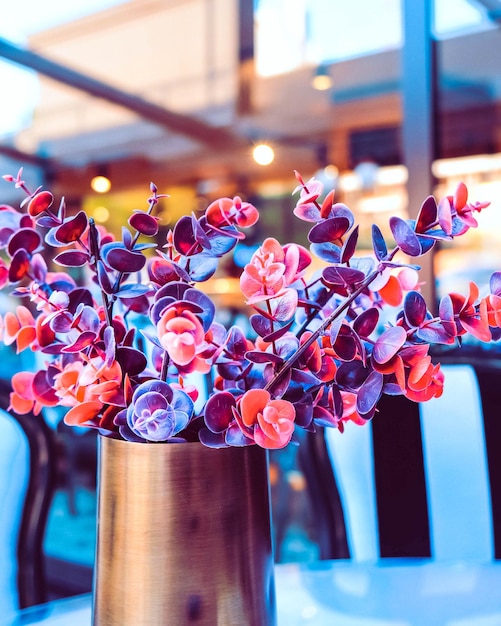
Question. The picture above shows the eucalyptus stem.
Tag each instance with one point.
(326, 323)
(94, 249)
(136, 236)
(165, 366)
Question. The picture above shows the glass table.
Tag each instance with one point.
(391, 592)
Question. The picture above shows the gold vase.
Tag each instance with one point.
(183, 536)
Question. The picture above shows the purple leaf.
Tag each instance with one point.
(284, 307)
(87, 319)
(329, 252)
(72, 258)
(329, 230)
(495, 283)
(123, 260)
(339, 209)
(415, 309)
(336, 326)
(183, 237)
(427, 215)
(405, 236)
(109, 345)
(304, 411)
(218, 411)
(104, 278)
(235, 437)
(262, 357)
(324, 418)
(344, 276)
(308, 212)
(164, 271)
(351, 375)
(435, 332)
(388, 344)
(236, 342)
(345, 346)
(369, 393)
(212, 440)
(281, 385)
(446, 314)
(365, 324)
(80, 296)
(445, 215)
(72, 228)
(26, 239)
(131, 360)
(261, 325)
(378, 243)
(200, 235)
(84, 340)
(349, 246)
(279, 332)
(205, 305)
(133, 290)
(61, 323)
(144, 223)
(39, 273)
(19, 265)
(426, 243)
(201, 267)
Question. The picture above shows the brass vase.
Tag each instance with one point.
(183, 536)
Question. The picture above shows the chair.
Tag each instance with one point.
(26, 478)
(420, 484)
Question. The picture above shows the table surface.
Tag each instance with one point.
(391, 592)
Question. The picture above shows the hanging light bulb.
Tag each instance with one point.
(321, 78)
(263, 154)
(100, 184)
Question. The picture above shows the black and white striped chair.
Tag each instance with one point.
(27, 472)
(420, 484)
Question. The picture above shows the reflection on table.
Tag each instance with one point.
(392, 592)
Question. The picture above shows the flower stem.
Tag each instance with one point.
(165, 366)
(327, 322)
(94, 248)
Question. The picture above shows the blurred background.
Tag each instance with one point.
(384, 100)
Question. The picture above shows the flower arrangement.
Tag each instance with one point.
(120, 353)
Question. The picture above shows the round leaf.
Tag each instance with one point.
(415, 309)
(369, 393)
(330, 230)
(218, 411)
(26, 238)
(144, 223)
(405, 236)
(72, 258)
(390, 342)
(72, 229)
(124, 260)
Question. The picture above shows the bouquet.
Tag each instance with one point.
(125, 345)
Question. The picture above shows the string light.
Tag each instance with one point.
(263, 154)
(100, 184)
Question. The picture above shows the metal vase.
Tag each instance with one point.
(183, 536)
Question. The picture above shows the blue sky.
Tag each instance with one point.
(20, 18)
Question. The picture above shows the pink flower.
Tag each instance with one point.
(272, 269)
(182, 336)
(19, 328)
(228, 212)
(270, 422)
(31, 392)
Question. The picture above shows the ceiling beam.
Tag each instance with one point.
(28, 158)
(175, 122)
